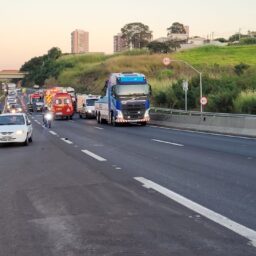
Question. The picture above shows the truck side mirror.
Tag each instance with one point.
(105, 87)
(113, 91)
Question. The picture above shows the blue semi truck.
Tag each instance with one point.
(126, 100)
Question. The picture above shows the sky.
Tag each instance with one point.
(29, 28)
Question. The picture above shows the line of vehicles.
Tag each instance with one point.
(126, 100)
(15, 125)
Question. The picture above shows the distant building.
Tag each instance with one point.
(79, 41)
(180, 37)
(198, 41)
(120, 44)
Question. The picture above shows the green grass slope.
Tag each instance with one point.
(87, 72)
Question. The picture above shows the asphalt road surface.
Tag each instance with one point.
(86, 189)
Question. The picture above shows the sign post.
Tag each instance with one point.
(185, 89)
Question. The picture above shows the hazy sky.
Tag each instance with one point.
(30, 28)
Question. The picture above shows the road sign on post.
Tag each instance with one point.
(203, 101)
(166, 61)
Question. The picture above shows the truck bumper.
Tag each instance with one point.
(121, 120)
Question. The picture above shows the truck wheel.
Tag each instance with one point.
(113, 121)
(98, 118)
(143, 123)
(80, 116)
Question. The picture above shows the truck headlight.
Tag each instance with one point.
(146, 115)
(119, 114)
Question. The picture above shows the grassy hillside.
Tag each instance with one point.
(88, 72)
(223, 56)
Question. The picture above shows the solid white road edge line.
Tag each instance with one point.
(218, 218)
(89, 153)
(53, 133)
(167, 142)
(100, 128)
(67, 141)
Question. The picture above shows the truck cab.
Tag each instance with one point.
(126, 100)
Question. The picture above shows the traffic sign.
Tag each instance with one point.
(185, 85)
(166, 61)
(203, 101)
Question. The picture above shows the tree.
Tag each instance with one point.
(176, 28)
(236, 37)
(221, 40)
(159, 47)
(136, 35)
(42, 67)
(54, 53)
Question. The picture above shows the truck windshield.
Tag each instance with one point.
(35, 100)
(91, 102)
(132, 89)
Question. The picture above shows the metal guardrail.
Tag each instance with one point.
(197, 113)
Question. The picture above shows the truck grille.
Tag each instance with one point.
(133, 111)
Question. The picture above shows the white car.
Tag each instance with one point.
(15, 128)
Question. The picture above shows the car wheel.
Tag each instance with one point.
(30, 139)
(26, 142)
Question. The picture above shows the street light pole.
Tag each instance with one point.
(201, 92)
(200, 77)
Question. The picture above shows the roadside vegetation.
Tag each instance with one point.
(229, 75)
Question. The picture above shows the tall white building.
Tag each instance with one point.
(79, 41)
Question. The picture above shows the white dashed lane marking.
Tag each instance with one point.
(67, 140)
(168, 142)
(89, 153)
(53, 133)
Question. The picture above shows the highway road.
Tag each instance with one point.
(86, 189)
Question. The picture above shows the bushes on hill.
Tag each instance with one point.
(246, 102)
(224, 95)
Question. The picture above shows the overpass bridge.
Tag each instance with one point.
(6, 75)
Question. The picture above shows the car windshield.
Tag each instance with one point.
(132, 89)
(91, 102)
(12, 120)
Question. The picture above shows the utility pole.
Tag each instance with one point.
(200, 78)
